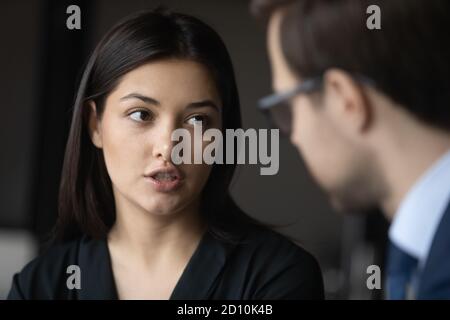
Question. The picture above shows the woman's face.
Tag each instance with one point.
(134, 132)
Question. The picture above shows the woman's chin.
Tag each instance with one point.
(163, 209)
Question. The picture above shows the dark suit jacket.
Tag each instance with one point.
(263, 265)
(434, 280)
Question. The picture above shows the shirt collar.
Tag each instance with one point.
(420, 212)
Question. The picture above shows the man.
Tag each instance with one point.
(369, 111)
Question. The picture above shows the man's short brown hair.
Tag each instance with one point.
(408, 58)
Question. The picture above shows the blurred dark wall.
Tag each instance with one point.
(19, 34)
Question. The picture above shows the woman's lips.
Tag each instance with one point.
(165, 179)
(164, 185)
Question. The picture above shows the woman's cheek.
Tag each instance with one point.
(121, 155)
(197, 175)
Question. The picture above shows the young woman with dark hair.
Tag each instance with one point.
(131, 224)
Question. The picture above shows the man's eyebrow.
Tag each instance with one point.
(203, 103)
(141, 97)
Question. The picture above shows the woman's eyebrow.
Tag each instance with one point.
(141, 97)
(203, 103)
(149, 100)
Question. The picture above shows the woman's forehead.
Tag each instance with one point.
(166, 86)
(170, 79)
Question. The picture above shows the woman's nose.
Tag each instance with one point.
(162, 142)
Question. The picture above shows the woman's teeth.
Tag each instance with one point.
(164, 176)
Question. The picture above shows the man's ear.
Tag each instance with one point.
(94, 124)
(351, 105)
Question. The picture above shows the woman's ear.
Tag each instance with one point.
(94, 124)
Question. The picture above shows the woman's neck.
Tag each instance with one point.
(146, 238)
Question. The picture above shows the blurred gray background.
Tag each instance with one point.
(41, 61)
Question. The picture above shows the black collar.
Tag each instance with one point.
(196, 281)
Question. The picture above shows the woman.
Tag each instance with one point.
(131, 224)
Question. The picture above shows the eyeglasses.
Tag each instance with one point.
(277, 108)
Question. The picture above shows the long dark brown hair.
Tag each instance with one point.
(86, 202)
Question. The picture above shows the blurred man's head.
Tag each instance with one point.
(379, 93)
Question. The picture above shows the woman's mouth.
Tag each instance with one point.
(164, 179)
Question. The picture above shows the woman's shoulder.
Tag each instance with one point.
(272, 243)
(40, 276)
(285, 268)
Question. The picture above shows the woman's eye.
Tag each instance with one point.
(141, 116)
(197, 120)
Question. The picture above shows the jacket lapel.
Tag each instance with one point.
(97, 281)
(435, 277)
(199, 277)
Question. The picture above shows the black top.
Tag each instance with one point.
(263, 265)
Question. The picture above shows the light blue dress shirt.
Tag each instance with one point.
(419, 214)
